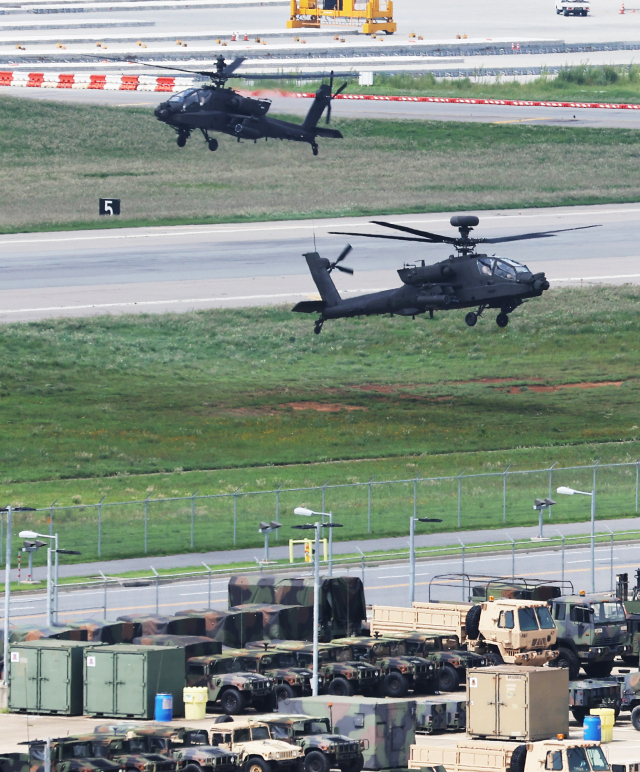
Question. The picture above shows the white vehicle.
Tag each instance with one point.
(572, 7)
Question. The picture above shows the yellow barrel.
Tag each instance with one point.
(607, 720)
(195, 702)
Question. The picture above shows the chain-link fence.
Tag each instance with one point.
(372, 508)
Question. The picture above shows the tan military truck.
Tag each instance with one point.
(515, 632)
(251, 742)
(496, 756)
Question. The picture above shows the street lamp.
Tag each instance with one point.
(571, 492)
(303, 511)
(266, 529)
(541, 505)
(51, 591)
(412, 549)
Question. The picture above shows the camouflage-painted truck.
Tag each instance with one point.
(255, 748)
(338, 671)
(400, 671)
(593, 693)
(234, 690)
(323, 749)
(445, 651)
(34, 762)
(630, 696)
(120, 750)
(289, 680)
(189, 748)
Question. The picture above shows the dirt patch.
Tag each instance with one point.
(547, 389)
(255, 411)
(379, 389)
(495, 380)
(322, 407)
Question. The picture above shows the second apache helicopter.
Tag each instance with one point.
(464, 280)
(214, 107)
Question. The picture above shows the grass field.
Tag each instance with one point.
(53, 174)
(108, 399)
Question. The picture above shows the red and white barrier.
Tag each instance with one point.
(87, 81)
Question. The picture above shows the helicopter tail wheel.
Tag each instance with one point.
(182, 140)
(471, 318)
(314, 147)
(502, 320)
(213, 144)
(318, 328)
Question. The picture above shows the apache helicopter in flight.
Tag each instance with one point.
(214, 107)
(464, 280)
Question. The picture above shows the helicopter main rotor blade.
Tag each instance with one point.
(378, 236)
(436, 237)
(541, 235)
(234, 65)
(147, 64)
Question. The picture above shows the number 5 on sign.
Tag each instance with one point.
(109, 206)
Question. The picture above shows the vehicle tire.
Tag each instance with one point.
(213, 144)
(316, 761)
(565, 13)
(448, 679)
(502, 320)
(192, 768)
(395, 685)
(518, 759)
(232, 702)
(181, 141)
(471, 318)
(630, 659)
(256, 764)
(579, 715)
(340, 687)
(599, 669)
(472, 622)
(282, 692)
(566, 658)
(635, 718)
(355, 765)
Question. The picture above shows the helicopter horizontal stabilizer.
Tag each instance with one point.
(310, 307)
(322, 131)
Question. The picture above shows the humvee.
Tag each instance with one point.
(323, 750)
(289, 680)
(255, 749)
(234, 690)
(67, 755)
(401, 672)
(126, 754)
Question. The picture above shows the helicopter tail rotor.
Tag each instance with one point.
(341, 257)
(333, 95)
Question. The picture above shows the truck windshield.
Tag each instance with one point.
(527, 619)
(344, 654)
(316, 726)
(608, 611)
(284, 660)
(597, 758)
(577, 758)
(544, 618)
(260, 733)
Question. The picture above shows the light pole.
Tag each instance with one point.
(541, 505)
(266, 529)
(304, 512)
(570, 492)
(412, 550)
(316, 585)
(52, 588)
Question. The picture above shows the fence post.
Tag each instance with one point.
(100, 526)
(369, 505)
(460, 493)
(504, 494)
(463, 551)
(551, 486)
(323, 487)
(562, 537)
(157, 575)
(278, 508)
(235, 515)
(146, 524)
(209, 595)
(193, 514)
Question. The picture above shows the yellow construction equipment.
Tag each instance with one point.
(374, 15)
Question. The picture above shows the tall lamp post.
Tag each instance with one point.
(541, 505)
(52, 587)
(412, 550)
(316, 585)
(571, 492)
(304, 512)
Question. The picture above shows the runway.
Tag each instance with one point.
(153, 270)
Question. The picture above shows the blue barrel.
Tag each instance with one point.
(164, 709)
(592, 728)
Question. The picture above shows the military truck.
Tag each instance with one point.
(445, 651)
(256, 751)
(188, 747)
(233, 689)
(496, 756)
(323, 750)
(338, 671)
(128, 756)
(595, 693)
(592, 631)
(400, 671)
(34, 762)
(289, 680)
(77, 754)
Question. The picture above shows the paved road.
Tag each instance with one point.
(181, 268)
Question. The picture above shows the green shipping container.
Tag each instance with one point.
(45, 676)
(122, 681)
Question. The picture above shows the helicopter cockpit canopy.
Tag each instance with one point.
(503, 268)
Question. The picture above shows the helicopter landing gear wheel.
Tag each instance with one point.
(314, 147)
(213, 144)
(318, 328)
(502, 320)
(471, 318)
(182, 140)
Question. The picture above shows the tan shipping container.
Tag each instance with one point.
(464, 757)
(430, 617)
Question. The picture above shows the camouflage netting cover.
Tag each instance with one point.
(231, 628)
(21, 634)
(103, 631)
(193, 645)
(283, 622)
(342, 599)
(155, 624)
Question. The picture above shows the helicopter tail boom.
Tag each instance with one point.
(319, 267)
(318, 106)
